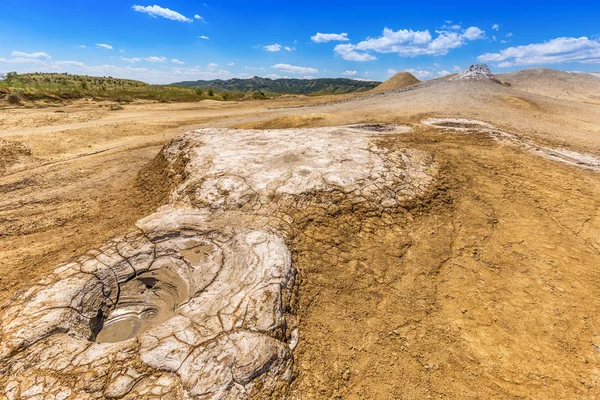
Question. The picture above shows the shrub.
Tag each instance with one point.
(115, 107)
(199, 92)
(211, 92)
(14, 98)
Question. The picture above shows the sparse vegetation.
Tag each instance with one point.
(13, 99)
(115, 107)
(17, 88)
(259, 96)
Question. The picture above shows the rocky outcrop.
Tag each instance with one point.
(197, 301)
(476, 72)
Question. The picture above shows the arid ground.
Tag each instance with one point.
(486, 287)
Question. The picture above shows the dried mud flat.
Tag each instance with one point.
(396, 256)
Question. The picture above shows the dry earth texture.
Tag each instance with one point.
(439, 242)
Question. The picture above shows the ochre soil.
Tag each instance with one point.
(487, 287)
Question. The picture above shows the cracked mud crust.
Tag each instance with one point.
(200, 300)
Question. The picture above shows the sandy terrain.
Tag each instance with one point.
(485, 287)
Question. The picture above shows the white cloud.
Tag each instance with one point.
(496, 27)
(349, 73)
(329, 37)
(295, 69)
(250, 68)
(199, 17)
(409, 43)
(157, 11)
(474, 33)
(38, 55)
(176, 61)
(204, 37)
(104, 46)
(130, 60)
(24, 61)
(420, 73)
(212, 65)
(273, 76)
(348, 52)
(272, 47)
(121, 51)
(82, 46)
(559, 50)
(69, 64)
(392, 71)
(443, 73)
(155, 59)
(509, 34)
(457, 69)
(231, 64)
(288, 48)
(504, 41)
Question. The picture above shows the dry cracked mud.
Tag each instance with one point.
(199, 299)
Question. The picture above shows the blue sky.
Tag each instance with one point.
(164, 41)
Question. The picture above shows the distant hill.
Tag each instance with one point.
(17, 88)
(283, 86)
(398, 81)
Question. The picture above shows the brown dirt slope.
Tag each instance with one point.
(557, 84)
(398, 81)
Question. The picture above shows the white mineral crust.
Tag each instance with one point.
(195, 303)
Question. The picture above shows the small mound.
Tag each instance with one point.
(479, 72)
(398, 81)
(13, 154)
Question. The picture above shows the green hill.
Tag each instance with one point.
(283, 86)
(16, 88)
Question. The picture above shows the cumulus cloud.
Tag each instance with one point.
(560, 50)
(293, 69)
(496, 27)
(199, 17)
(104, 46)
(176, 61)
(443, 73)
(348, 52)
(158, 11)
(349, 73)
(38, 55)
(69, 64)
(130, 60)
(204, 37)
(392, 71)
(420, 73)
(288, 48)
(231, 64)
(457, 69)
(329, 37)
(155, 59)
(272, 47)
(83, 46)
(409, 43)
(474, 33)
(509, 34)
